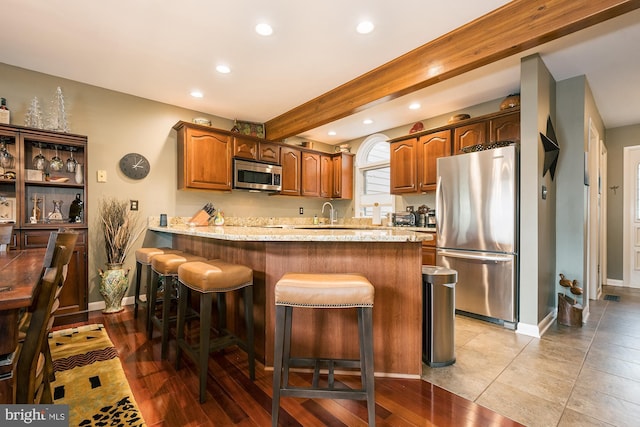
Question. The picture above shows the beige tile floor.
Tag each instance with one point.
(588, 376)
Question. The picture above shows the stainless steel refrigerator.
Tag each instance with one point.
(477, 198)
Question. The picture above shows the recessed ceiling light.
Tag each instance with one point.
(197, 94)
(332, 133)
(264, 29)
(365, 27)
(223, 69)
(414, 106)
(367, 121)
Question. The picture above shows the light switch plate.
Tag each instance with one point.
(102, 176)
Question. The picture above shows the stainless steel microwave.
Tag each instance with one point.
(257, 176)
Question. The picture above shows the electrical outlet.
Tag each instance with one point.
(133, 205)
(102, 176)
(301, 210)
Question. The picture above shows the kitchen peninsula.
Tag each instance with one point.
(389, 257)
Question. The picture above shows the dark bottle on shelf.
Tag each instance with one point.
(75, 210)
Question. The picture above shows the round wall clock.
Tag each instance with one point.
(134, 165)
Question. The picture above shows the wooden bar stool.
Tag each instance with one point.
(165, 266)
(207, 278)
(322, 291)
(143, 258)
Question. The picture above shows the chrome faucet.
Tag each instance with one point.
(331, 212)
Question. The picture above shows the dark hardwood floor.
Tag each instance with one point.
(168, 397)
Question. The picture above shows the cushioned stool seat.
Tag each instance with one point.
(166, 267)
(144, 257)
(208, 278)
(322, 291)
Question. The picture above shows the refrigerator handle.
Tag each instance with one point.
(468, 255)
(439, 201)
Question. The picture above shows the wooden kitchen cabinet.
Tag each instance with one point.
(413, 158)
(505, 128)
(245, 148)
(310, 174)
(41, 200)
(342, 181)
(269, 152)
(251, 149)
(291, 174)
(404, 166)
(326, 176)
(313, 174)
(204, 157)
(469, 135)
(431, 147)
(429, 252)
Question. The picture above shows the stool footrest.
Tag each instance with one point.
(323, 393)
(301, 362)
(217, 344)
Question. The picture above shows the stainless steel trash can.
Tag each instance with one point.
(438, 318)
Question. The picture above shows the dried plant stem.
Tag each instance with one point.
(121, 228)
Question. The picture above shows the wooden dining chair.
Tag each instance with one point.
(68, 239)
(6, 232)
(32, 380)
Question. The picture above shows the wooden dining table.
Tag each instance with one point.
(19, 274)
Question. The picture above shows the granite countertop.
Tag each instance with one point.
(301, 233)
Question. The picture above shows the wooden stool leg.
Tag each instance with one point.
(365, 326)
(137, 294)
(205, 326)
(183, 297)
(152, 297)
(170, 283)
(248, 315)
(221, 299)
(278, 345)
(287, 345)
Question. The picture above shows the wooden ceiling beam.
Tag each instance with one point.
(506, 31)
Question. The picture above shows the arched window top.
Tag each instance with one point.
(373, 176)
(374, 150)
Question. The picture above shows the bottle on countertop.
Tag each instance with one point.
(315, 219)
(5, 114)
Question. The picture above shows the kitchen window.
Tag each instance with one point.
(372, 177)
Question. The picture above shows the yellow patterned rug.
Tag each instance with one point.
(90, 379)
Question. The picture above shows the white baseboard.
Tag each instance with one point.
(620, 283)
(615, 282)
(99, 305)
(538, 330)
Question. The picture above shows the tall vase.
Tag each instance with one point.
(113, 286)
(79, 176)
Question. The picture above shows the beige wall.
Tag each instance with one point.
(116, 124)
(615, 140)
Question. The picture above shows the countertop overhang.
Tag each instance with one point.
(306, 233)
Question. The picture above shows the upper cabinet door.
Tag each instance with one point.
(432, 146)
(204, 159)
(269, 152)
(469, 135)
(505, 128)
(342, 176)
(245, 148)
(290, 161)
(403, 162)
(310, 185)
(326, 176)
